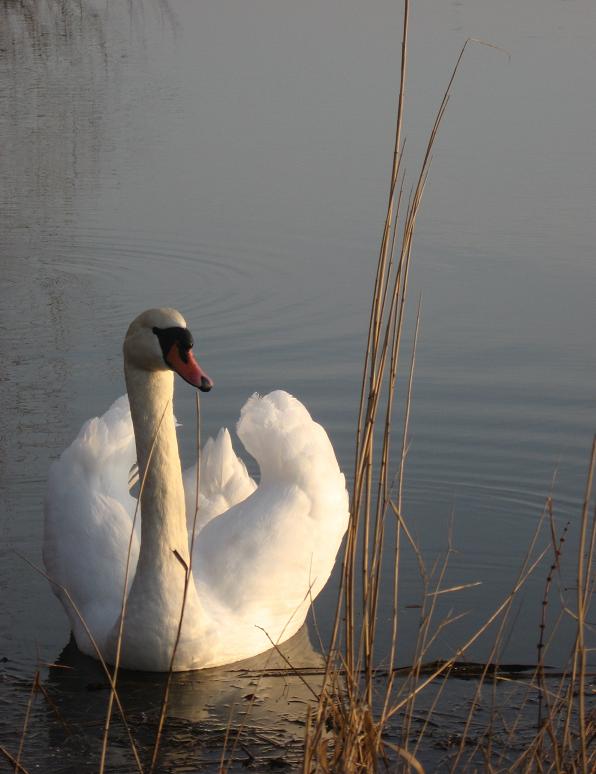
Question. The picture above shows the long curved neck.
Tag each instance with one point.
(156, 595)
(163, 526)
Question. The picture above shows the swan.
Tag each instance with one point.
(261, 553)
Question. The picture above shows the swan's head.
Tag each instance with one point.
(158, 340)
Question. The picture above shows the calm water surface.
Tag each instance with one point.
(231, 160)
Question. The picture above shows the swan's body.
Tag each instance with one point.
(261, 554)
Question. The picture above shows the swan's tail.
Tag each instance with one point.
(88, 517)
(265, 559)
(104, 449)
(224, 481)
(221, 469)
(288, 445)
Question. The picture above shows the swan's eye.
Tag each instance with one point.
(179, 337)
(185, 339)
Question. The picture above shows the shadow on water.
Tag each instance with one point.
(251, 714)
(261, 699)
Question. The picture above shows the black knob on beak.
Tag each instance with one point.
(206, 384)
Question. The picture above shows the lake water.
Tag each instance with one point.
(231, 159)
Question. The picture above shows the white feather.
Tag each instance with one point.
(261, 554)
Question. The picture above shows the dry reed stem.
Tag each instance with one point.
(52, 704)
(371, 359)
(315, 622)
(578, 669)
(291, 667)
(187, 579)
(98, 653)
(388, 502)
(104, 745)
(18, 767)
(222, 767)
(473, 638)
(261, 673)
(430, 712)
(410, 759)
(376, 364)
(541, 647)
(422, 643)
(583, 585)
(565, 755)
(495, 646)
(33, 691)
(379, 379)
(365, 463)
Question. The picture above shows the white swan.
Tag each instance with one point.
(261, 554)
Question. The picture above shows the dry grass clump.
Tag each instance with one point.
(350, 728)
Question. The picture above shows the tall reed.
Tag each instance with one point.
(345, 730)
(373, 503)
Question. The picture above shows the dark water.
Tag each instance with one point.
(231, 160)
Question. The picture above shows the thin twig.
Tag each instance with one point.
(98, 653)
(187, 580)
(106, 730)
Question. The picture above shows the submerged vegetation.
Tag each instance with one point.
(359, 712)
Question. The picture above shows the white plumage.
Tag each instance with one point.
(261, 554)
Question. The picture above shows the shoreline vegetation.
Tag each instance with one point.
(360, 715)
(348, 728)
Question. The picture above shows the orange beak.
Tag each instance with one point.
(188, 368)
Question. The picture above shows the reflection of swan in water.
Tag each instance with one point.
(262, 552)
(260, 694)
